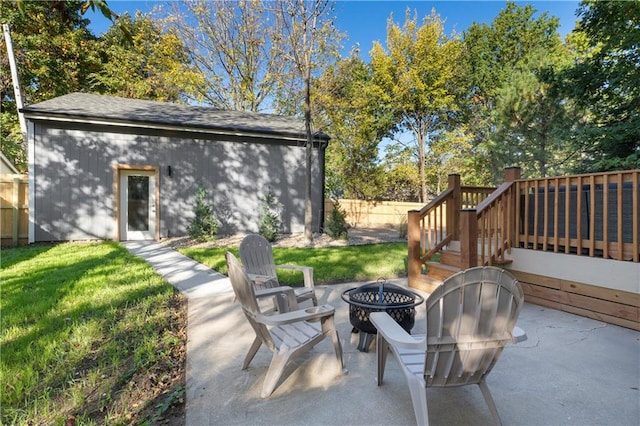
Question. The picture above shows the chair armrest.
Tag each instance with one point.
(518, 335)
(260, 279)
(307, 273)
(395, 335)
(282, 294)
(275, 291)
(308, 314)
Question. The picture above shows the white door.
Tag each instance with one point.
(137, 205)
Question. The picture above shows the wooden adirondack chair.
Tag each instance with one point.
(289, 334)
(470, 318)
(256, 255)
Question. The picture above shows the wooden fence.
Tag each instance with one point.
(14, 209)
(372, 213)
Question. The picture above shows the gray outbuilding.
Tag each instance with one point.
(103, 167)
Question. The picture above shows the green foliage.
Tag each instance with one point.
(605, 80)
(402, 181)
(336, 225)
(270, 209)
(74, 319)
(515, 115)
(347, 103)
(416, 78)
(204, 225)
(54, 52)
(153, 65)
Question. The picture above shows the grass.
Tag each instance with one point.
(88, 332)
(330, 264)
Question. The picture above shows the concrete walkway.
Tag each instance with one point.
(570, 371)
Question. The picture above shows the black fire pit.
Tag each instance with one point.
(398, 302)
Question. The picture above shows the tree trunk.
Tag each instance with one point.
(421, 166)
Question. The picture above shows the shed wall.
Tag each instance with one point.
(74, 175)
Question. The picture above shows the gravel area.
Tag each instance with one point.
(357, 236)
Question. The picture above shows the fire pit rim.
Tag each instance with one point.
(346, 296)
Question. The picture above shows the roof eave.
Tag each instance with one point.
(40, 116)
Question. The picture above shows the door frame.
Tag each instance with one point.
(118, 170)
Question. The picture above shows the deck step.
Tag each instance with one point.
(440, 271)
(450, 257)
(426, 284)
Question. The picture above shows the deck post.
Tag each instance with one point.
(414, 266)
(453, 211)
(468, 239)
(511, 174)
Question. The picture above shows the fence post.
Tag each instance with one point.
(453, 211)
(414, 267)
(469, 238)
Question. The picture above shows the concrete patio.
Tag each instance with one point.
(571, 370)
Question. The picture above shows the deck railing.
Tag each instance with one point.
(438, 223)
(596, 215)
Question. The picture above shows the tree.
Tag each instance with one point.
(356, 124)
(605, 80)
(152, 65)
(55, 53)
(238, 47)
(514, 112)
(310, 39)
(402, 181)
(417, 80)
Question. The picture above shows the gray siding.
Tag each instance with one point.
(74, 168)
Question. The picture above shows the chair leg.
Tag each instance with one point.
(338, 349)
(276, 368)
(489, 399)
(257, 342)
(382, 349)
(418, 390)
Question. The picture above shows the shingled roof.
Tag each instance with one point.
(115, 110)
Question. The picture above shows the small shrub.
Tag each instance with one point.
(270, 224)
(204, 225)
(336, 226)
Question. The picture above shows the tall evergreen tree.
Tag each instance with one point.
(514, 113)
(606, 81)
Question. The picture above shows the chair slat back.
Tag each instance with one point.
(470, 318)
(256, 255)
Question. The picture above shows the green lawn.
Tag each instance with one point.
(330, 265)
(87, 331)
(91, 332)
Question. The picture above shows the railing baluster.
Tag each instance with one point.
(605, 214)
(620, 219)
(592, 218)
(567, 216)
(635, 216)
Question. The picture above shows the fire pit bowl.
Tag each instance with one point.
(396, 301)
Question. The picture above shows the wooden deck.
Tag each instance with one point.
(593, 216)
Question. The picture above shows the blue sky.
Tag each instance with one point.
(365, 21)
